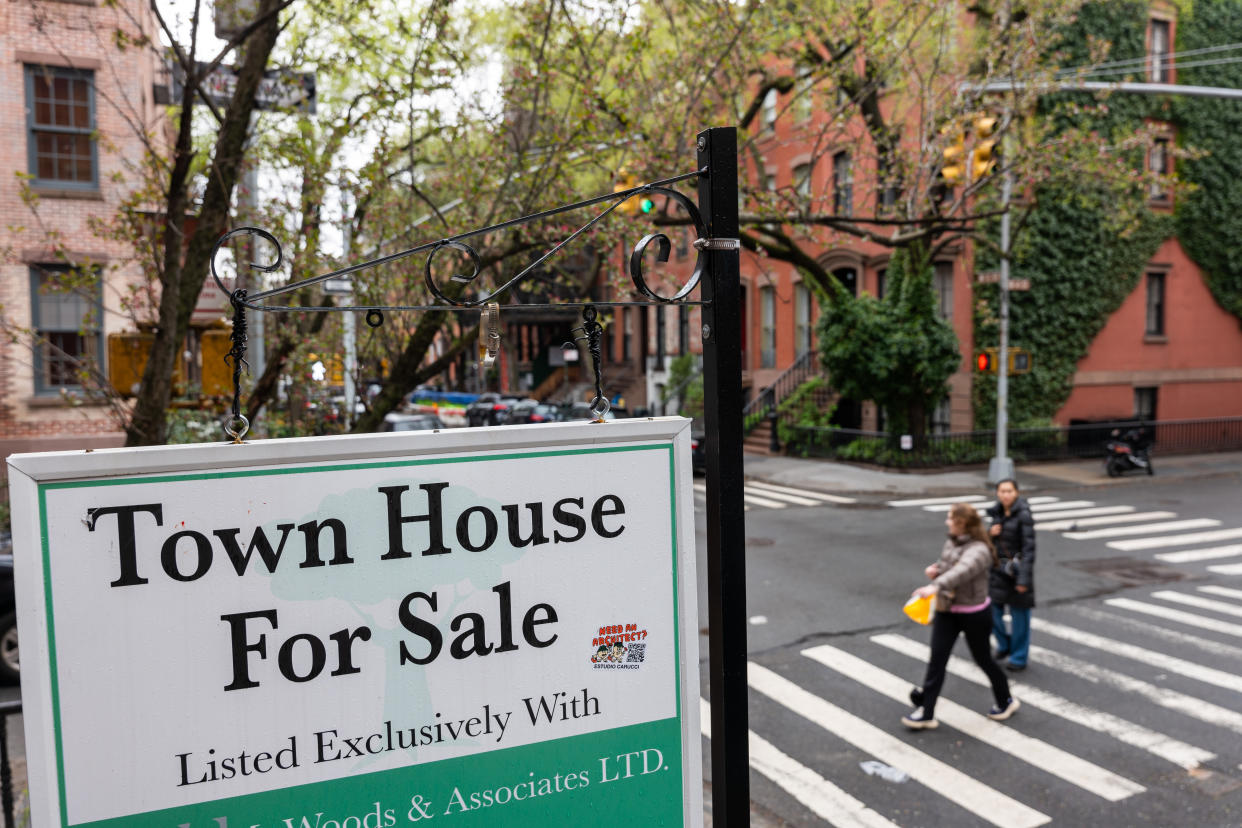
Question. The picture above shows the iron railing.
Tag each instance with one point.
(803, 368)
(1085, 440)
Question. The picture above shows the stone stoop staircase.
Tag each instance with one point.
(759, 439)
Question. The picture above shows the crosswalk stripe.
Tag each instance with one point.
(928, 501)
(1170, 526)
(1216, 649)
(817, 794)
(1073, 769)
(762, 501)
(1188, 618)
(1192, 555)
(1188, 705)
(1075, 513)
(1036, 501)
(1048, 502)
(1226, 569)
(1157, 744)
(1137, 517)
(986, 803)
(1138, 544)
(1146, 655)
(1200, 603)
(782, 496)
(811, 493)
(1040, 508)
(1220, 590)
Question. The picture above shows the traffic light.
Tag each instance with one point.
(983, 155)
(1019, 361)
(954, 170)
(647, 205)
(631, 205)
(985, 362)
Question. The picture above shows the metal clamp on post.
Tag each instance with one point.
(489, 334)
(717, 244)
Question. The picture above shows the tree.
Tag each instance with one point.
(896, 350)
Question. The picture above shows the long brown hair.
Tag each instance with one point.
(972, 524)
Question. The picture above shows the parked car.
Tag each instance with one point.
(10, 662)
(533, 411)
(582, 411)
(490, 409)
(698, 451)
(411, 422)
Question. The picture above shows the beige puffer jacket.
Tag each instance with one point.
(963, 567)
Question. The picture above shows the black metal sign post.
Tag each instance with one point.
(726, 527)
(717, 274)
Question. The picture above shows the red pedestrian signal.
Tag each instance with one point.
(985, 363)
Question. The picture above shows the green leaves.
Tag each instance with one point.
(896, 351)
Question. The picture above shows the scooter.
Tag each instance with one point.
(1123, 456)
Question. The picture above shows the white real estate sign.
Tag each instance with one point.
(472, 627)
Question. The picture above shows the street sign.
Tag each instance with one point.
(477, 626)
(992, 277)
(279, 89)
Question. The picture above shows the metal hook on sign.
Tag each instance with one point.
(489, 334)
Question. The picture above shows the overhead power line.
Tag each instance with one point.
(1147, 59)
(1157, 65)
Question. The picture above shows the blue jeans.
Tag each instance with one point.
(1018, 642)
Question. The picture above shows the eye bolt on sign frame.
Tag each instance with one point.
(465, 628)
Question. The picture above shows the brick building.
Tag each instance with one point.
(72, 109)
(1169, 352)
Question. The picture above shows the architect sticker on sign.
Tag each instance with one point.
(472, 627)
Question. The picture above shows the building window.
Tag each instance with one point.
(943, 286)
(1159, 165)
(767, 347)
(804, 99)
(803, 332)
(660, 332)
(769, 181)
(881, 282)
(1159, 69)
(1155, 304)
(848, 277)
(1145, 404)
(842, 185)
(66, 314)
(802, 180)
(60, 120)
(683, 329)
(888, 184)
(744, 304)
(627, 334)
(769, 111)
(941, 418)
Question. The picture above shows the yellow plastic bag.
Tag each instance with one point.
(920, 609)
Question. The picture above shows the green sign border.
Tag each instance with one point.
(44, 488)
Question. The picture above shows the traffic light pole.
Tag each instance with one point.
(1001, 466)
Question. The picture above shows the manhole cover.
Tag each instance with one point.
(760, 541)
(1129, 571)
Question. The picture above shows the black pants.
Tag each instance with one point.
(945, 628)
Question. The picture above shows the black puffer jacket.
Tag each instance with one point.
(1016, 539)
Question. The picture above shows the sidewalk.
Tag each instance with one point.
(845, 478)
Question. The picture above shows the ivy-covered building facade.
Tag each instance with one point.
(1143, 323)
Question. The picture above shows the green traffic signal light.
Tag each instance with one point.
(646, 205)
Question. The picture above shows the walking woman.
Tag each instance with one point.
(1012, 581)
(959, 580)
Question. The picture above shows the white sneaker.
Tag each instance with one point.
(999, 714)
(915, 720)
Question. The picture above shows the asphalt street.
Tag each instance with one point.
(1130, 702)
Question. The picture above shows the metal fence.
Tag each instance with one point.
(1025, 444)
